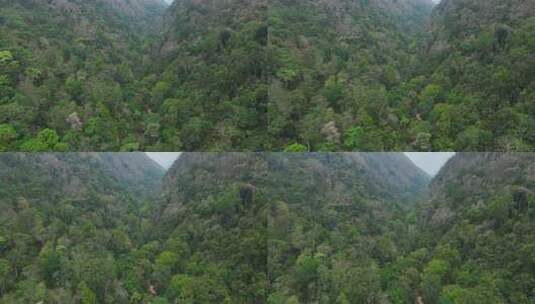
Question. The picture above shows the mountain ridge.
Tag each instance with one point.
(266, 227)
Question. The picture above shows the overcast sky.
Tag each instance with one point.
(165, 159)
(430, 162)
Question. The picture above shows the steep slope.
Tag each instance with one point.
(483, 172)
(66, 220)
(142, 12)
(337, 220)
(211, 223)
(478, 228)
(223, 209)
(80, 173)
(67, 71)
(338, 70)
(136, 171)
(209, 84)
(460, 19)
(358, 75)
(479, 69)
(266, 228)
(344, 75)
(389, 176)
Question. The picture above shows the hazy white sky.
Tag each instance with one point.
(165, 159)
(430, 162)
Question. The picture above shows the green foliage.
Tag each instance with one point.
(46, 140)
(47, 61)
(266, 228)
(5, 272)
(167, 260)
(7, 136)
(87, 296)
(318, 57)
(364, 77)
(296, 148)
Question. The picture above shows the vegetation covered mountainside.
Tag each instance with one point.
(65, 221)
(212, 223)
(266, 228)
(366, 75)
(68, 71)
(479, 58)
(338, 69)
(479, 221)
(351, 76)
(209, 83)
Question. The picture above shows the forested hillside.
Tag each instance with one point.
(212, 225)
(355, 75)
(480, 72)
(339, 69)
(68, 73)
(69, 223)
(337, 221)
(274, 75)
(266, 228)
(76, 228)
(478, 228)
(209, 80)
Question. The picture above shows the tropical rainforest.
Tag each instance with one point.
(277, 228)
(267, 75)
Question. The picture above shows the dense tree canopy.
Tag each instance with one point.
(266, 75)
(266, 228)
